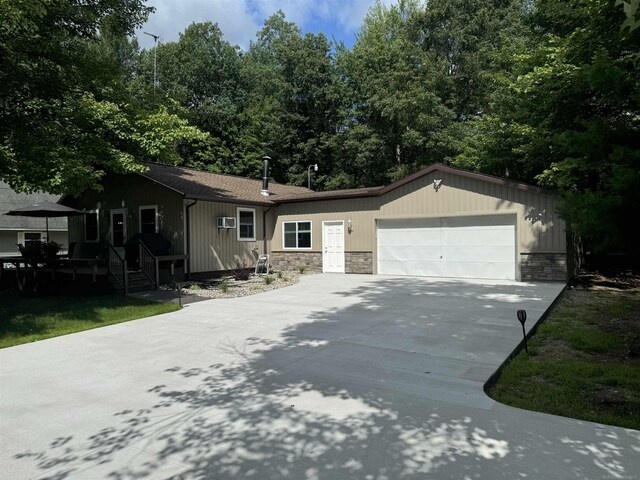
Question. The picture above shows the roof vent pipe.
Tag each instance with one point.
(265, 176)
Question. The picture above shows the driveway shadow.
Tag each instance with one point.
(297, 404)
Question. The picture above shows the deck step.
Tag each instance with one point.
(137, 281)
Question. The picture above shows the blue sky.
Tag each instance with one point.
(239, 20)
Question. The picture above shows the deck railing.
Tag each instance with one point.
(117, 267)
(149, 265)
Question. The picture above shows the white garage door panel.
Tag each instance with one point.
(458, 247)
(409, 253)
(476, 253)
(414, 236)
(423, 269)
(477, 236)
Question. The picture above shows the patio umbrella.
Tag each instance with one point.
(46, 210)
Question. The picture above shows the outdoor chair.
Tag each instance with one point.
(70, 251)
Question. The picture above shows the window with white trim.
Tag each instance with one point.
(246, 224)
(296, 234)
(27, 237)
(92, 226)
(148, 218)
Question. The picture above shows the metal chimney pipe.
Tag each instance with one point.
(265, 176)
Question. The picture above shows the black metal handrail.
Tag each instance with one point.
(117, 267)
(149, 264)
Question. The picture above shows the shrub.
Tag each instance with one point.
(279, 275)
(302, 269)
(241, 272)
(224, 286)
(268, 280)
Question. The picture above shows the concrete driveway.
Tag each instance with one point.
(338, 377)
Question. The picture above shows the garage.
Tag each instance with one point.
(438, 222)
(455, 247)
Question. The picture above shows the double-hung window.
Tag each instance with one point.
(148, 219)
(29, 237)
(297, 234)
(246, 221)
(91, 227)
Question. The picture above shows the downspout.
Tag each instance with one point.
(188, 235)
(264, 229)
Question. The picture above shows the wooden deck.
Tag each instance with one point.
(74, 268)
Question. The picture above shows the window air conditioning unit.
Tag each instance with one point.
(226, 222)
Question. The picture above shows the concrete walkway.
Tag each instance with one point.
(337, 377)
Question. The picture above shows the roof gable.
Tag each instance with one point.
(379, 191)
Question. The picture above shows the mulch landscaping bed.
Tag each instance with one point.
(230, 287)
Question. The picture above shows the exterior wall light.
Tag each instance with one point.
(437, 183)
(349, 226)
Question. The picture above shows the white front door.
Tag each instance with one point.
(333, 246)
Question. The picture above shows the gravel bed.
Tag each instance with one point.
(214, 288)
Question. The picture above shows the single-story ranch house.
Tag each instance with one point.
(440, 222)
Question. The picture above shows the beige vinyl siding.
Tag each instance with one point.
(538, 229)
(361, 211)
(130, 192)
(213, 249)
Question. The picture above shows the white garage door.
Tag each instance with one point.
(456, 247)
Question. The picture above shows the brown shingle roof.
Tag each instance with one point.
(201, 185)
(378, 191)
(331, 194)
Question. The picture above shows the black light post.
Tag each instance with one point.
(522, 317)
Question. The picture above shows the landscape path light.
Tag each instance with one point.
(522, 317)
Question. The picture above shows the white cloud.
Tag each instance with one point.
(239, 20)
(171, 18)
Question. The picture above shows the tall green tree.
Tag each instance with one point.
(200, 71)
(571, 119)
(65, 118)
(395, 117)
(290, 81)
(419, 71)
(464, 38)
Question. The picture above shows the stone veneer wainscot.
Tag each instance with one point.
(355, 262)
(543, 266)
(295, 259)
(358, 262)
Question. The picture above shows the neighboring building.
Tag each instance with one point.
(440, 221)
(14, 230)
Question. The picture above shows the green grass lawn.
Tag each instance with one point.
(584, 361)
(27, 319)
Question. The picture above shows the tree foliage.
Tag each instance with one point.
(65, 115)
(543, 91)
(569, 118)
